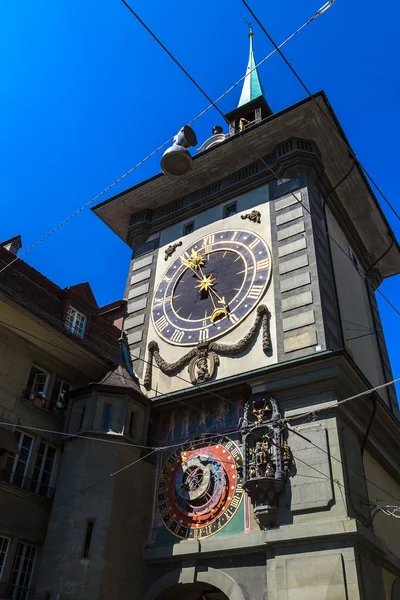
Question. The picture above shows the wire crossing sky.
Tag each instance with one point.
(87, 94)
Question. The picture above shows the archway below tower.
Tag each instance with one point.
(192, 591)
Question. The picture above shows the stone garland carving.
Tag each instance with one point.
(267, 458)
(171, 249)
(204, 358)
(254, 216)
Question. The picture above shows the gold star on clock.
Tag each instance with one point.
(206, 283)
(195, 261)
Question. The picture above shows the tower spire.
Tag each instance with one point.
(252, 87)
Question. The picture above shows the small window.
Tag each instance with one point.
(131, 424)
(88, 539)
(81, 420)
(22, 571)
(17, 464)
(354, 259)
(107, 417)
(37, 383)
(44, 467)
(4, 542)
(230, 210)
(60, 388)
(75, 322)
(188, 228)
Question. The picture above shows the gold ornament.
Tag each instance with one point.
(206, 283)
(195, 260)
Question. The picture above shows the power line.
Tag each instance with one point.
(242, 136)
(350, 398)
(210, 436)
(139, 358)
(108, 188)
(304, 86)
(339, 461)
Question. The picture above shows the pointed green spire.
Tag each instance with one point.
(252, 87)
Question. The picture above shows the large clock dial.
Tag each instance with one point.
(211, 287)
(198, 492)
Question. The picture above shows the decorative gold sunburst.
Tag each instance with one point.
(205, 283)
(195, 260)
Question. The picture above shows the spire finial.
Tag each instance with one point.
(252, 87)
(251, 34)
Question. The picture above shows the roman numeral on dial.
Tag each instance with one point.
(209, 240)
(235, 501)
(203, 335)
(255, 292)
(254, 244)
(177, 335)
(263, 264)
(161, 323)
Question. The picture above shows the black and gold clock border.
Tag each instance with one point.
(209, 350)
(229, 512)
(180, 329)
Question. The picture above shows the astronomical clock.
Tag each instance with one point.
(199, 490)
(209, 288)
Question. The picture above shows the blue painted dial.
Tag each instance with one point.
(211, 287)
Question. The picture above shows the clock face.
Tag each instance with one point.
(212, 286)
(198, 492)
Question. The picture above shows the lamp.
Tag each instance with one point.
(177, 160)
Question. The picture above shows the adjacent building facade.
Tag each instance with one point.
(229, 463)
(51, 341)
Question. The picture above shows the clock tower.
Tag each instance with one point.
(249, 276)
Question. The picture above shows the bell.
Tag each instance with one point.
(177, 160)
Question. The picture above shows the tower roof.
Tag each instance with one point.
(252, 87)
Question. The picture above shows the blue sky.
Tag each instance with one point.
(87, 93)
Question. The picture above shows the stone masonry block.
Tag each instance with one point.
(288, 232)
(296, 281)
(137, 305)
(142, 276)
(287, 201)
(132, 322)
(297, 342)
(297, 301)
(301, 320)
(135, 353)
(310, 489)
(321, 577)
(292, 247)
(139, 291)
(291, 215)
(142, 262)
(135, 337)
(294, 263)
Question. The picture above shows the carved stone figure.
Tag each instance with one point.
(171, 249)
(254, 216)
(267, 457)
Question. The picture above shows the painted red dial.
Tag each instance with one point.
(198, 490)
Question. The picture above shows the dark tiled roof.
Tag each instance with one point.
(35, 292)
(119, 376)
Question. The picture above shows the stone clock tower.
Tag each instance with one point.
(251, 279)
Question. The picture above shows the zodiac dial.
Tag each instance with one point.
(198, 492)
(211, 287)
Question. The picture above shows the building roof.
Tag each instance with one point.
(252, 87)
(119, 376)
(305, 120)
(30, 289)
